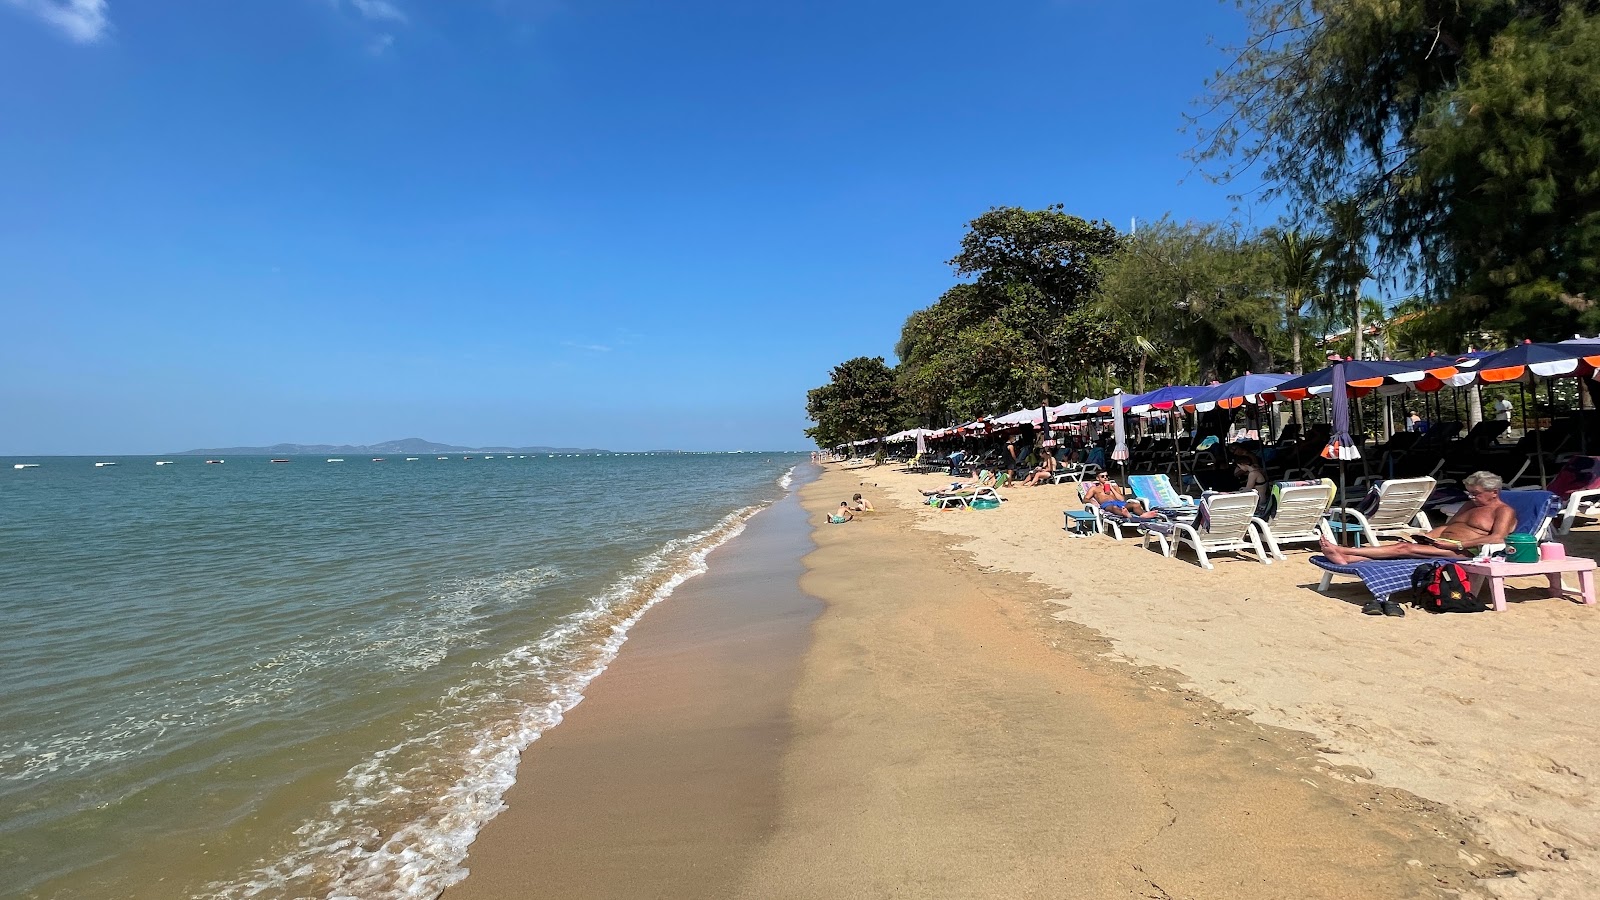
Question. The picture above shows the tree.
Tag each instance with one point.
(1347, 264)
(1466, 131)
(856, 404)
(1036, 267)
(1298, 270)
(1196, 285)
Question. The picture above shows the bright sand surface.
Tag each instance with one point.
(943, 730)
(1493, 714)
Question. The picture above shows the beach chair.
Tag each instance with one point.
(1224, 525)
(1295, 514)
(1158, 493)
(1108, 522)
(953, 499)
(1536, 511)
(1392, 508)
(1577, 485)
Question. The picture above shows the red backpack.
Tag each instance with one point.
(1442, 587)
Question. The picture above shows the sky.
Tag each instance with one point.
(630, 225)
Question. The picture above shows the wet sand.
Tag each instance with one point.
(940, 734)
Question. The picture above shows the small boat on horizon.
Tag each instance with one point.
(466, 457)
(335, 459)
(26, 466)
(163, 462)
(441, 457)
(215, 462)
(412, 458)
(278, 460)
(377, 459)
(101, 465)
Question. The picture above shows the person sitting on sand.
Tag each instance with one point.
(1108, 495)
(859, 503)
(843, 515)
(1484, 519)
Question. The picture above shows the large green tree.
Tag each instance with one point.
(1036, 267)
(1466, 131)
(857, 403)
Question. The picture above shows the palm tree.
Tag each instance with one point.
(1348, 261)
(1301, 265)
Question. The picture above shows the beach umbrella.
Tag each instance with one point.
(1361, 377)
(1528, 360)
(1160, 398)
(1247, 388)
(922, 441)
(1119, 430)
(1340, 445)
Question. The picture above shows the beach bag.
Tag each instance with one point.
(1441, 587)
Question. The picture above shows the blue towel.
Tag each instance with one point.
(1381, 576)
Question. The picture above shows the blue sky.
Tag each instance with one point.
(622, 224)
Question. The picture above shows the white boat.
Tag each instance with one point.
(163, 462)
(441, 457)
(335, 459)
(101, 465)
(488, 457)
(26, 466)
(412, 458)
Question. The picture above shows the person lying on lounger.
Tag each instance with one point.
(1484, 519)
(1109, 496)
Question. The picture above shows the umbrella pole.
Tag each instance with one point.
(1344, 508)
(1177, 452)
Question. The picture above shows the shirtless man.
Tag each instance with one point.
(1484, 519)
(1107, 494)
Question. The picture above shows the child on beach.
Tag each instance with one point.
(859, 503)
(843, 515)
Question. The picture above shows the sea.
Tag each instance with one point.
(314, 679)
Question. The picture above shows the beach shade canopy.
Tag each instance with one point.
(1247, 388)
(1528, 360)
(1361, 378)
(1084, 407)
(1119, 428)
(1340, 445)
(1021, 417)
(1161, 398)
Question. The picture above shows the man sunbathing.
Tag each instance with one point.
(1108, 495)
(1484, 519)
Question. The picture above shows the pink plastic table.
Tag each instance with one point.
(1498, 570)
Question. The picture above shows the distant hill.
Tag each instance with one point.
(396, 448)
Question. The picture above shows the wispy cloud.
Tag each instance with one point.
(379, 10)
(593, 348)
(84, 21)
(380, 45)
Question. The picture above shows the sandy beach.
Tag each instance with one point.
(944, 728)
(1490, 714)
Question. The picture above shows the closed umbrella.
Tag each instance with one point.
(1119, 430)
(1341, 446)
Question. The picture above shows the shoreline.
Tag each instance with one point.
(622, 797)
(936, 732)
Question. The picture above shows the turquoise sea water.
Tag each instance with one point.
(312, 679)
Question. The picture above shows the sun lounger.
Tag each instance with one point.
(952, 499)
(1536, 510)
(1224, 525)
(1392, 508)
(1158, 493)
(1296, 515)
(1382, 577)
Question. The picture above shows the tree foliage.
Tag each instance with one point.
(1467, 132)
(857, 403)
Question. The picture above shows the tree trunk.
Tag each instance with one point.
(1355, 334)
(1294, 347)
(1138, 379)
(1260, 354)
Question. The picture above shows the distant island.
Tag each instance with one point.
(397, 448)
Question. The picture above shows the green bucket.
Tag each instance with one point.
(1522, 548)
